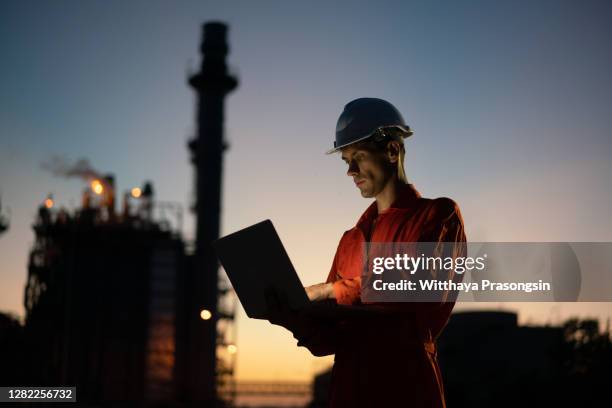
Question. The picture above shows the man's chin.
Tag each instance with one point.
(366, 193)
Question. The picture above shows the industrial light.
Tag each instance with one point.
(232, 349)
(97, 187)
(136, 192)
(49, 203)
(205, 314)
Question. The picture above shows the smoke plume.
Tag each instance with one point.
(61, 167)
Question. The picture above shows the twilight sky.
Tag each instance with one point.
(510, 101)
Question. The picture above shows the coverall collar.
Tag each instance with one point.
(407, 196)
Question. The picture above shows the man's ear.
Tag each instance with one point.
(393, 151)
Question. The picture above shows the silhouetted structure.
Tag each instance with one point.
(101, 304)
(114, 304)
(482, 354)
(4, 222)
(488, 360)
(212, 84)
(11, 350)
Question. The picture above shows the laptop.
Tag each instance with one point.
(255, 260)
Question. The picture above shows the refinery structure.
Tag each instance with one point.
(116, 304)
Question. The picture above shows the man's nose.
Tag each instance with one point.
(353, 169)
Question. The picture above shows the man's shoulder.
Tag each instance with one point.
(349, 233)
(441, 206)
(444, 206)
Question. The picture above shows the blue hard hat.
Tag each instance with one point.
(363, 117)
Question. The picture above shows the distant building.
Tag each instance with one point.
(486, 358)
(115, 304)
(101, 305)
(11, 350)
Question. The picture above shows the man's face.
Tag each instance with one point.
(369, 170)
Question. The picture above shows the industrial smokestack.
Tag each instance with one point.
(109, 195)
(212, 84)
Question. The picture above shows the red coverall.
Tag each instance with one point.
(388, 361)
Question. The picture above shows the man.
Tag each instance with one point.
(386, 359)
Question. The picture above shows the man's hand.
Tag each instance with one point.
(320, 291)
